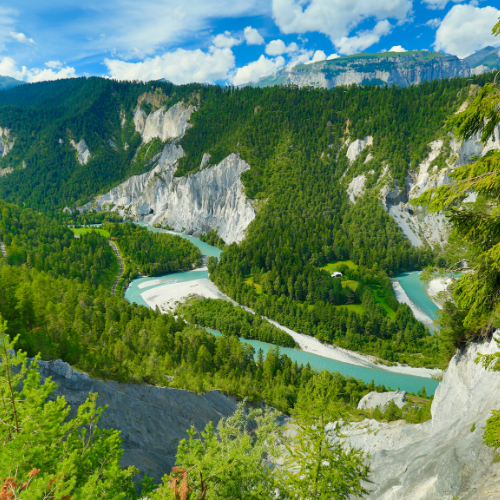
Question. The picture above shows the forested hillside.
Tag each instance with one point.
(295, 141)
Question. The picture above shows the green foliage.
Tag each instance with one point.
(317, 465)
(45, 454)
(231, 320)
(212, 238)
(413, 412)
(38, 241)
(110, 338)
(491, 436)
(154, 253)
(228, 462)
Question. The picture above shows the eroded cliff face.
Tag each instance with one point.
(82, 151)
(6, 141)
(152, 420)
(164, 123)
(443, 457)
(212, 198)
(418, 225)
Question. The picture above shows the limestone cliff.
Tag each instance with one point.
(388, 68)
(212, 198)
(443, 457)
(82, 151)
(151, 419)
(6, 141)
(164, 123)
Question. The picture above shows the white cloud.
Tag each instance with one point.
(21, 37)
(397, 48)
(179, 66)
(466, 29)
(438, 4)
(7, 22)
(433, 23)
(278, 47)
(252, 36)
(318, 56)
(338, 18)
(256, 70)
(332, 56)
(54, 64)
(364, 39)
(8, 67)
(225, 41)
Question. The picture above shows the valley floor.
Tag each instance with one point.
(167, 296)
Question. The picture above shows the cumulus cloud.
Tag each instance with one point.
(466, 29)
(21, 37)
(256, 70)
(438, 4)
(338, 18)
(179, 66)
(397, 48)
(226, 40)
(278, 47)
(364, 39)
(318, 56)
(332, 56)
(252, 36)
(8, 67)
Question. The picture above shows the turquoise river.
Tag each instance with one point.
(378, 376)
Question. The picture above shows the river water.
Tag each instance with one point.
(378, 376)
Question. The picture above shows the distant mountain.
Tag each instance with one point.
(388, 68)
(6, 82)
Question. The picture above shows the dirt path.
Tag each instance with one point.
(120, 272)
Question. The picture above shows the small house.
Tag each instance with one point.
(337, 274)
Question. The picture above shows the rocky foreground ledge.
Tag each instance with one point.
(444, 457)
(152, 420)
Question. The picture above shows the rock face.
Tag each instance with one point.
(415, 222)
(357, 147)
(6, 141)
(443, 457)
(389, 68)
(212, 198)
(356, 187)
(82, 150)
(151, 419)
(164, 124)
(382, 399)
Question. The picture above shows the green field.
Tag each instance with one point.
(352, 284)
(86, 230)
(332, 266)
(357, 308)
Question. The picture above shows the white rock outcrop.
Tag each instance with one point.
(165, 124)
(356, 187)
(82, 150)
(6, 141)
(212, 198)
(444, 457)
(414, 220)
(381, 399)
(357, 147)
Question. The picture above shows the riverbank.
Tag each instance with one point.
(167, 297)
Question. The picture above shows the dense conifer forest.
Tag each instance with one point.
(154, 253)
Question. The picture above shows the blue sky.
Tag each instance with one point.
(225, 41)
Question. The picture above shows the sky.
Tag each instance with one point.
(225, 41)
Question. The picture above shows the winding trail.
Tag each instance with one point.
(2, 249)
(120, 272)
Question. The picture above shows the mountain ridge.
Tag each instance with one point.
(386, 68)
